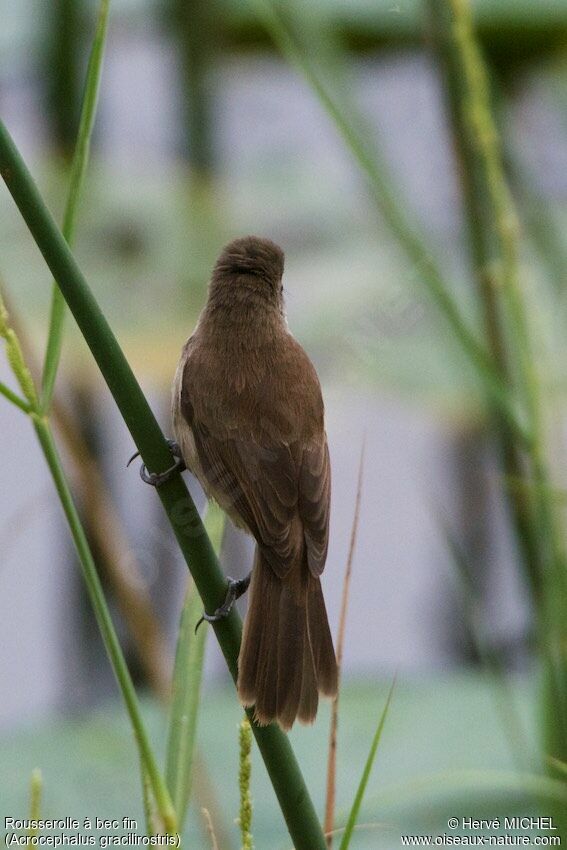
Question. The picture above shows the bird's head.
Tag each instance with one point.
(248, 272)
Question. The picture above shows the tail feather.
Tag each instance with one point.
(291, 639)
(287, 653)
(309, 699)
(258, 670)
(267, 652)
(321, 640)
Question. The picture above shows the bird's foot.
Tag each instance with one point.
(236, 589)
(156, 479)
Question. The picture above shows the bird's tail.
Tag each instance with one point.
(287, 656)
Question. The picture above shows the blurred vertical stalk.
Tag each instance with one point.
(36, 788)
(485, 260)
(195, 33)
(386, 198)
(61, 71)
(493, 232)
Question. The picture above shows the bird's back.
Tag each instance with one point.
(268, 392)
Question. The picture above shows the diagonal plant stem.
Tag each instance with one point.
(184, 710)
(187, 678)
(496, 241)
(43, 432)
(332, 758)
(103, 526)
(360, 791)
(497, 246)
(405, 233)
(37, 408)
(104, 621)
(491, 228)
(14, 398)
(78, 171)
(150, 813)
(282, 767)
(210, 828)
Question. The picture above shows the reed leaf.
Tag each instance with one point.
(78, 171)
(283, 770)
(350, 126)
(187, 678)
(333, 731)
(355, 810)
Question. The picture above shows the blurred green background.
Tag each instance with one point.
(205, 133)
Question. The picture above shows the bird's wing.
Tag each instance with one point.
(270, 475)
(258, 483)
(314, 502)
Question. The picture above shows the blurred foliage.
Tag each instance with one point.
(512, 30)
(87, 763)
(147, 244)
(351, 301)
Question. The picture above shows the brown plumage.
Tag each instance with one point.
(248, 417)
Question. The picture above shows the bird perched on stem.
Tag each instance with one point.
(248, 418)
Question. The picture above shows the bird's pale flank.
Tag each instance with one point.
(249, 420)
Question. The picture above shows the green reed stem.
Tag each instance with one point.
(467, 98)
(43, 432)
(360, 791)
(496, 250)
(14, 398)
(78, 171)
(282, 767)
(187, 679)
(386, 201)
(104, 621)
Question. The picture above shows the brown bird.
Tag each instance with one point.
(248, 418)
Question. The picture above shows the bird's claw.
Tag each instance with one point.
(156, 479)
(236, 588)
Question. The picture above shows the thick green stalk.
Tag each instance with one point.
(478, 123)
(104, 621)
(487, 266)
(274, 746)
(61, 56)
(496, 246)
(23, 375)
(195, 22)
(78, 170)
